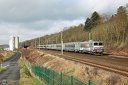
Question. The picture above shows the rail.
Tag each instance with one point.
(123, 72)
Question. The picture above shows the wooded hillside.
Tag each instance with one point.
(113, 32)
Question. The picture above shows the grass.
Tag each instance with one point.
(2, 69)
(26, 75)
(9, 56)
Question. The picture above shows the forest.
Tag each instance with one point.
(112, 29)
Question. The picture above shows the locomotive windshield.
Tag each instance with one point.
(98, 44)
(95, 43)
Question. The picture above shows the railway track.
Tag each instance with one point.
(111, 63)
(106, 67)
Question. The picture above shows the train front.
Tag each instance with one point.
(97, 47)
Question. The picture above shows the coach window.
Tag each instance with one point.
(85, 45)
(90, 44)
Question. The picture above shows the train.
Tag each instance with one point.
(93, 47)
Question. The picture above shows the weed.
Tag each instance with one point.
(112, 80)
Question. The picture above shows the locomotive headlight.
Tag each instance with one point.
(81, 48)
(101, 47)
(95, 48)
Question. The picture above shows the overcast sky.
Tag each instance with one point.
(33, 18)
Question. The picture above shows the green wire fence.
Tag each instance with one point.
(51, 77)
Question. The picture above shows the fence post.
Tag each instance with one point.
(61, 79)
(53, 77)
(39, 73)
(89, 82)
(42, 72)
(45, 74)
(48, 71)
(71, 80)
